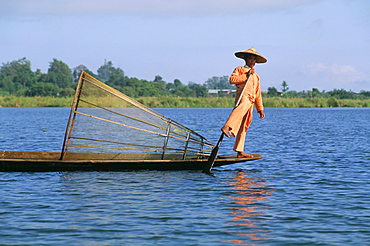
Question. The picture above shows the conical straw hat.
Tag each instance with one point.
(260, 58)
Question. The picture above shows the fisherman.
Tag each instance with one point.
(248, 93)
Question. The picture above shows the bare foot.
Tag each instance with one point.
(243, 155)
(226, 130)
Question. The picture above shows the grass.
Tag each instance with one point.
(314, 102)
(185, 102)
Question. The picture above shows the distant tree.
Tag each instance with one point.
(219, 83)
(107, 70)
(38, 74)
(341, 94)
(16, 75)
(173, 88)
(144, 88)
(160, 85)
(6, 85)
(177, 83)
(316, 92)
(170, 86)
(17, 78)
(292, 94)
(365, 94)
(158, 78)
(198, 90)
(182, 91)
(160, 88)
(67, 92)
(272, 92)
(284, 86)
(133, 87)
(59, 74)
(132, 82)
(129, 91)
(41, 77)
(42, 89)
(117, 79)
(79, 69)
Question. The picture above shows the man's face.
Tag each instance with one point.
(250, 60)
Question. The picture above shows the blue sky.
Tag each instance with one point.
(320, 44)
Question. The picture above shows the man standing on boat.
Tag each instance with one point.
(248, 93)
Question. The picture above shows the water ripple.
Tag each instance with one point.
(310, 188)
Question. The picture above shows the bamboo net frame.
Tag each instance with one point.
(104, 120)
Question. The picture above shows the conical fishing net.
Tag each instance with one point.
(106, 124)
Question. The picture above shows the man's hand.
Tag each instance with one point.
(262, 114)
(251, 71)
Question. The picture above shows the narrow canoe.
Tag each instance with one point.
(21, 161)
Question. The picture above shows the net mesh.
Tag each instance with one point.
(104, 120)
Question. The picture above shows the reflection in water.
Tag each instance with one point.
(249, 201)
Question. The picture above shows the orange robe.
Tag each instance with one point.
(241, 116)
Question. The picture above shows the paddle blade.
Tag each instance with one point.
(212, 157)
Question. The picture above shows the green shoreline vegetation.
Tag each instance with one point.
(189, 102)
(22, 87)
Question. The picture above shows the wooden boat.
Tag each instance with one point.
(19, 161)
(109, 131)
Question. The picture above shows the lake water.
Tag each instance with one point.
(311, 187)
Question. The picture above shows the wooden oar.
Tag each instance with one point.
(212, 157)
(211, 160)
